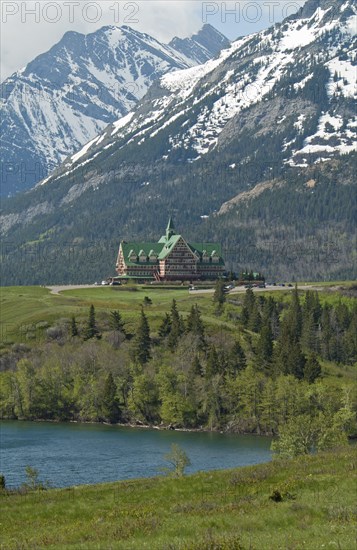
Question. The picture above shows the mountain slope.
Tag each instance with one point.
(202, 46)
(68, 95)
(306, 68)
(271, 110)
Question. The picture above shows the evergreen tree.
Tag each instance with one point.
(165, 327)
(74, 328)
(195, 325)
(309, 341)
(213, 364)
(237, 360)
(312, 305)
(326, 332)
(312, 368)
(177, 327)
(294, 317)
(196, 366)
(264, 348)
(91, 329)
(255, 319)
(110, 409)
(219, 296)
(248, 305)
(142, 341)
(287, 355)
(296, 361)
(116, 323)
(350, 339)
(342, 316)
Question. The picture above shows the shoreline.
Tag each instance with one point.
(140, 426)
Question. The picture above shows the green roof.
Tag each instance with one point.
(208, 247)
(137, 248)
(164, 247)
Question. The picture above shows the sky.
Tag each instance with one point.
(31, 27)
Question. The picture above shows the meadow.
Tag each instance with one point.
(308, 502)
(37, 307)
(304, 502)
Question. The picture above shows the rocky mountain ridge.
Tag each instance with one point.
(66, 96)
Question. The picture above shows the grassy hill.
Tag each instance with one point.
(223, 510)
(26, 309)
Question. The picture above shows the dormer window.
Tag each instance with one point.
(132, 256)
(214, 257)
(152, 256)
(142, 256)
(205, 257)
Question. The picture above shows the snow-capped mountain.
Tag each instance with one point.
(296, 80)
(266, 127)
(66, 96)
(202, 46)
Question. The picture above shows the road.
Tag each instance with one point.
(242, 289)
(58, 289)
(237, 290)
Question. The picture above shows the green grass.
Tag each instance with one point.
(23, 307)
(228, 509)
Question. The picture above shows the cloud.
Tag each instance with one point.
(31, 27)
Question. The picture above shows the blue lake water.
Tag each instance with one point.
(74, 454)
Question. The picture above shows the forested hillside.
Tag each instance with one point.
(254, 149)
(260, 363)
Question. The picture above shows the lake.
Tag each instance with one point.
(67, 454)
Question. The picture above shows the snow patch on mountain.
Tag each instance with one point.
(67, 96)
(303, 57)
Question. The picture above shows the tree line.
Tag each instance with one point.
(259, 377)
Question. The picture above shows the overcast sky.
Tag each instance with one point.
(30, 27)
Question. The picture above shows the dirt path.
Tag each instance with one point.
(58, 289)
(237, 290)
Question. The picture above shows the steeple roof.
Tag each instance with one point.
(170, 230)
(170, 225)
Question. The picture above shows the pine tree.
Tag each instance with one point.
(350, 339)
(196, 366)
(309, 340)
(91, 329)
(255, 319)
(342, 316)
(312, 305)
(294, 317)
(312, 369)
(248, 305)
(165, 327)
(296, 361)
(177, 328)
(219, 296)
(116, 323)
(195, 325)
(326, 332)
(264, 348)
(213, 364)
(74, 328)
(142, 341)
(110, 409)
(237, 360)
(287, 355)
